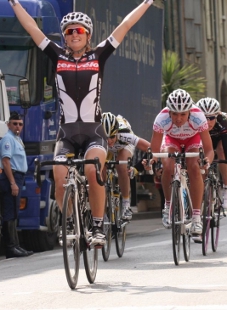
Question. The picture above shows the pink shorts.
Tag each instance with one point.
(190, 143)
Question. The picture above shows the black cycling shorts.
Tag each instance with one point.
(79, 137)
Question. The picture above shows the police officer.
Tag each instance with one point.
(14, 166)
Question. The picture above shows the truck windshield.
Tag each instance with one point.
(15, 63)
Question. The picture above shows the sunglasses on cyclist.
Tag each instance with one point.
(17, 123)
(211, 118)
(78, 30)
(112, 137)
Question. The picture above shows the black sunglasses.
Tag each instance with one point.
(17, 123)
(211, 118)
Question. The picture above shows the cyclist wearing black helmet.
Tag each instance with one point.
(79, 74)
(121, 144)
(217, 122)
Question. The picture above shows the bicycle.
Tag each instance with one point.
(180, 211)
(114, 225)
(213, 210)
(77, 219)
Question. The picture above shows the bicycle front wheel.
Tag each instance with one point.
(90, 253)
(187, 235)
(215, 225)
(207, 205)
(107, 227)
(119, 230)
(176, 219)
(71, 237)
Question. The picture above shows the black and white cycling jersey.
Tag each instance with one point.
(79, 81)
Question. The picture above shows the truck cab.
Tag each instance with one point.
(21, 59)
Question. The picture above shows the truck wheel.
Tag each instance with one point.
(39, 241)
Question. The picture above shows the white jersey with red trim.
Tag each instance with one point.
(79, 81)
(125, 136)
(196, 123)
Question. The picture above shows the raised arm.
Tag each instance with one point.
(27, 22)
(130, 20)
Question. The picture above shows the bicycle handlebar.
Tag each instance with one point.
(68, 162)
(127, 162)
(175, 155)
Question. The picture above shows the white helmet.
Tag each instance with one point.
(179, 101)
(110, 124)
(209, 106)
(74, 18)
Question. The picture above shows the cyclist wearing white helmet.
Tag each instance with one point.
(121, 145)
(217, 122)
(79, 75)
(182, 123)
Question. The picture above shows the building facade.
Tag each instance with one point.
(196, 30)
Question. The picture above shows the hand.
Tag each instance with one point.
(204, 164)
(147, 166)
(15, 189)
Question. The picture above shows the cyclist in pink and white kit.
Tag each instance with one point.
(182, 123)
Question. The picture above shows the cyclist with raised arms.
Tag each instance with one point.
(182, 123)
(121, 145)
(79, 75)
(217, 123)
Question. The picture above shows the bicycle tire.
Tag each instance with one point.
(90, 253)
(176, 228)
(119, 230)
(207, 205)
(107, 227)
(71, 247)
(187, 235)
(215, 225)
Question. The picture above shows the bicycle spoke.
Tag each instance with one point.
(207, 205)
(70, 237)
(107, 227)
(90, 253)
(176, 227)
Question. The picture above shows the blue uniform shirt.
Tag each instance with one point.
(11, 146)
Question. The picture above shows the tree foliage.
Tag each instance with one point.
(187, 77)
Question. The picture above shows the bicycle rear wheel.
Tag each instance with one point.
(71, 237)
(176, 218)
(215, 225)
(207, 205)
(90, 253)
(107, 227)
(186, 235)
(119, 230)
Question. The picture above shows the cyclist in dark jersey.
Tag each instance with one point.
(79, 76)
(217, 122)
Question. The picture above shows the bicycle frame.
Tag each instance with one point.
(213, 210)
(76, 237)
(113, 224)
(177, 217)
(180, 176)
